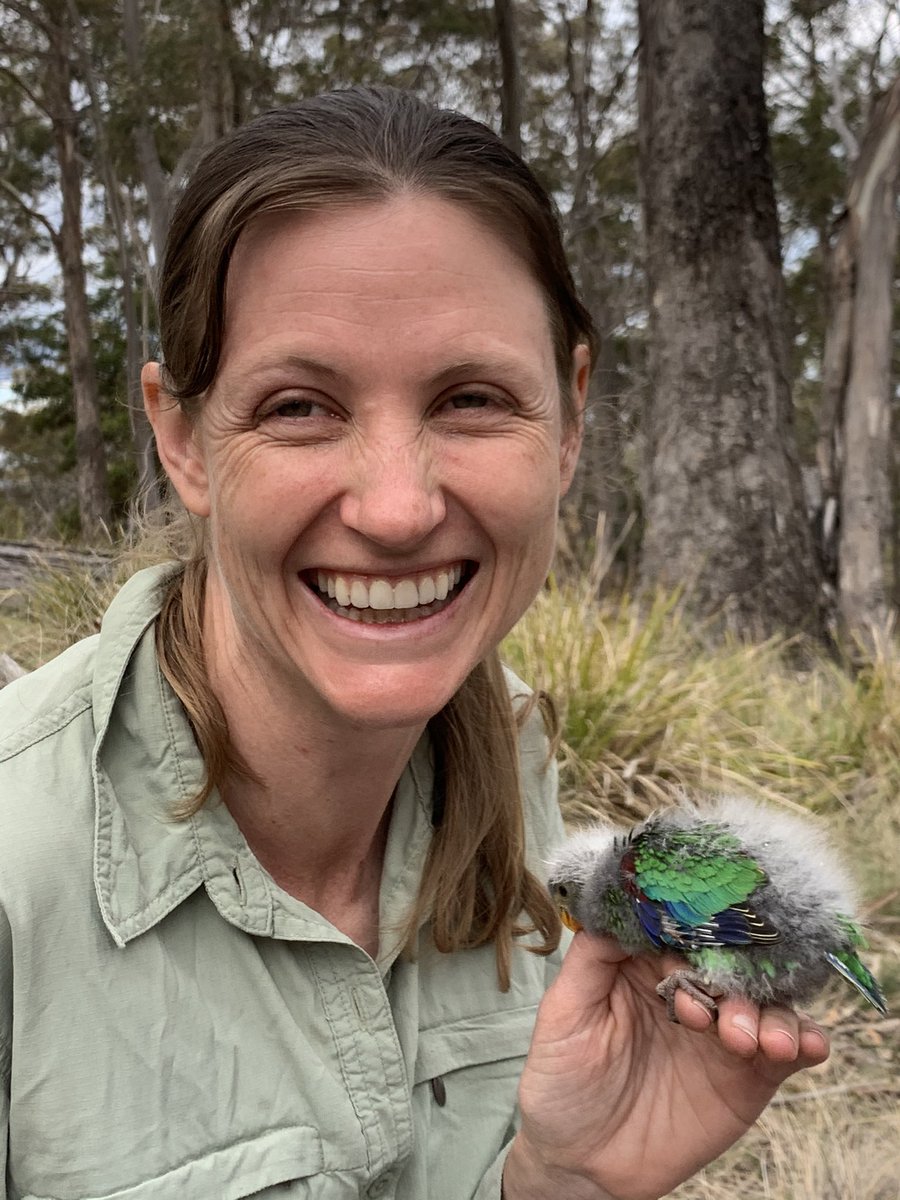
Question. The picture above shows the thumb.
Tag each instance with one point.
(586, 977)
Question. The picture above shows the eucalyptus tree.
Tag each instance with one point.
(723, 500)
(836, 95)
(37, 56)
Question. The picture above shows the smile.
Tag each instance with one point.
(379, 601)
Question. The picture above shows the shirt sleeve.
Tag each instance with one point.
(5, 1044)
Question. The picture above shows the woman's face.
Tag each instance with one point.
(380, 458)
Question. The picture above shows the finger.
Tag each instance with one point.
(693, 1014)
(589, 971)
(739, 1026)
(779, 1034)
(815, 1045)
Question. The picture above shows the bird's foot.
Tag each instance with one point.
(696, 987)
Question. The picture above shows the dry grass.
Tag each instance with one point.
(650, 703)
(833, 1133)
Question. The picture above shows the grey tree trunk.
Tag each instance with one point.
(152, 174)
(863, 335)
(511, 75)
(93, 492)
(148, 491)
(723, 500)
(596, 508)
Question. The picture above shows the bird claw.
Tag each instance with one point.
(696, 987)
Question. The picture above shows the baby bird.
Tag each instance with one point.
(753, 898)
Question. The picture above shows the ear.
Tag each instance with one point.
(570, 445)
(177, 443)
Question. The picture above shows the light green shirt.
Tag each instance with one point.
(173, 1024)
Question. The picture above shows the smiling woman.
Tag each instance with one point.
(317, 947)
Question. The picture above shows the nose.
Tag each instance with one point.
(395, 499)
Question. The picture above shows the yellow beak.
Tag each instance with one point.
(569, 921)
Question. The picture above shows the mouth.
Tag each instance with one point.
(379, 600)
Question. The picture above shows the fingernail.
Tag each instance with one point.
(702, 1008)
(819, 1037)
(747, 1025)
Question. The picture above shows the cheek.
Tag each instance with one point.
(516, 495)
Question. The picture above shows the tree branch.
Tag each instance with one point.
(32, 213)
(836, 111)
(23, 87)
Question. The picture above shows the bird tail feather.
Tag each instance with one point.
(855, 972)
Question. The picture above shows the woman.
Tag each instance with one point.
(316, 951)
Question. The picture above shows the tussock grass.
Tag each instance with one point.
(60, 606)
(650, 704)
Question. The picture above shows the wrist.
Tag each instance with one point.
(527, 1176)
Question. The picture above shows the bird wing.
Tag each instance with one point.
(691, 891)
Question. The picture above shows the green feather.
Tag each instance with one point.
(857, 973)
(708, 871)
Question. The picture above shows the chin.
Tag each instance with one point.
(386, 708)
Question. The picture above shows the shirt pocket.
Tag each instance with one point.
(466, 1081)
(278, 1163)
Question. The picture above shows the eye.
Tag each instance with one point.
(470, 400)
(562, 890)
(474, 405)
(303, 411)
(298, 408)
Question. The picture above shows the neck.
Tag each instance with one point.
(316, 812)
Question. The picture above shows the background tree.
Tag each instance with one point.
(723, 499)
(37, 43)
(859, 365)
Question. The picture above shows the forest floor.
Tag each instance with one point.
(650, 704)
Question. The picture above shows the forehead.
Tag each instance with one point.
(411, 258)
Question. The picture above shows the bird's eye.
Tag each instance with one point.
(562, 890)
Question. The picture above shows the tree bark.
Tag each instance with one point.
(141, 434)
(596, 507)
(510, 74)
(93, 493)
(723, 499)
(152, 174)
(865, 567)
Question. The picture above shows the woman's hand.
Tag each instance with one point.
(617, 1101)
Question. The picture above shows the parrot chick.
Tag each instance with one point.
(753, 898)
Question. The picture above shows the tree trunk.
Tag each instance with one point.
(141, 433)
(596, 506)
(723, 499)
(152, 174)
(510, 74)
(835, 365)
(93, 493)
(865, 547)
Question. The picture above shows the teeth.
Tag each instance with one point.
(381, 595)
(406, 594)
(363, 601)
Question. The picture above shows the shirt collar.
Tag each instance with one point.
(146, 762)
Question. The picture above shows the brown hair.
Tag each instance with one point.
(347, 147)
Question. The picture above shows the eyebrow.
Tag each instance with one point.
(486, 365)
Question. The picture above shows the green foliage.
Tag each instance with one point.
(37, 434)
